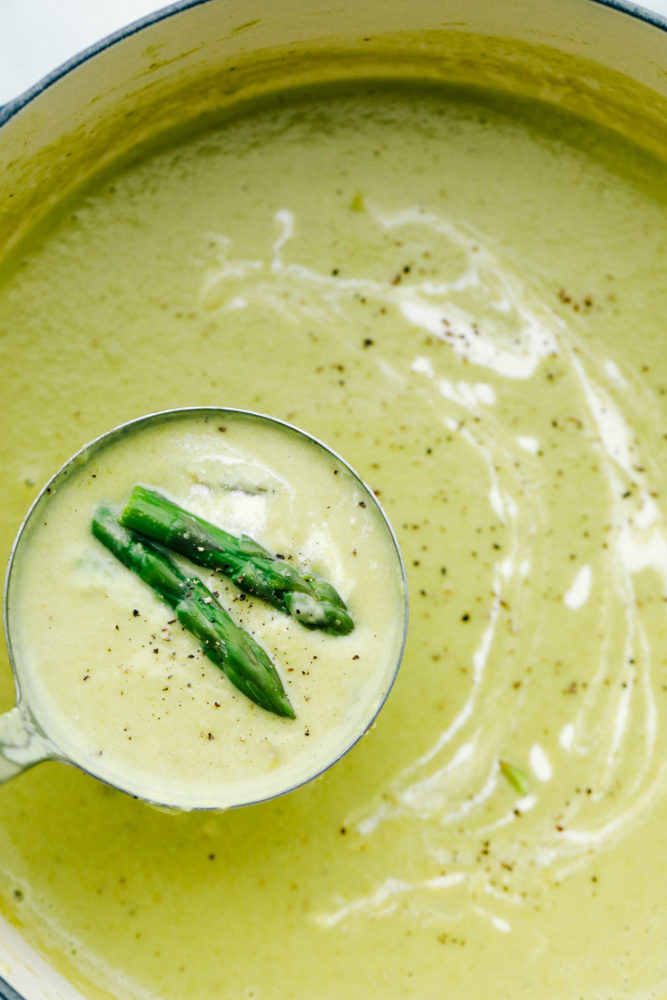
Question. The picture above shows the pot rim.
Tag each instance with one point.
(636, 11)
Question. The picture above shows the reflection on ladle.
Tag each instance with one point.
(111, 676)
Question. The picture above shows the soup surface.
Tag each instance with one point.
(119, 684)
(466, 299)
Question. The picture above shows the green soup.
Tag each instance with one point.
(125, 690)
(465, 299)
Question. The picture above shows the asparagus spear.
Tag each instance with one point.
(517, 778)
(307, 597)
(243, 660)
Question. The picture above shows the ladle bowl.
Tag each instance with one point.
(27, 733)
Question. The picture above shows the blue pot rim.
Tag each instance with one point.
(634, 10)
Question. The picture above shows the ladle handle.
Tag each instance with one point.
(21, 745)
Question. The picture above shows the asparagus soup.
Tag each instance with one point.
(121, 685)
(465, 296)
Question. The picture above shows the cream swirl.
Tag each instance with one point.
(564, 596)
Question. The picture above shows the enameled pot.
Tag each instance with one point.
(607, 60)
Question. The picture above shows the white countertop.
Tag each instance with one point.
(36, 36)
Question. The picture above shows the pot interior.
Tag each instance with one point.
(211, 62)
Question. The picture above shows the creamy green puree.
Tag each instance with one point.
(466, 299)
(124, 690)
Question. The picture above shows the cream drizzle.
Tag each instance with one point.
(488, 319)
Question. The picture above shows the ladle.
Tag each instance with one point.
(26, 735)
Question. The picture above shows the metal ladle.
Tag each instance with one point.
(25, 739)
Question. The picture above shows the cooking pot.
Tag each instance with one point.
(606, 61)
